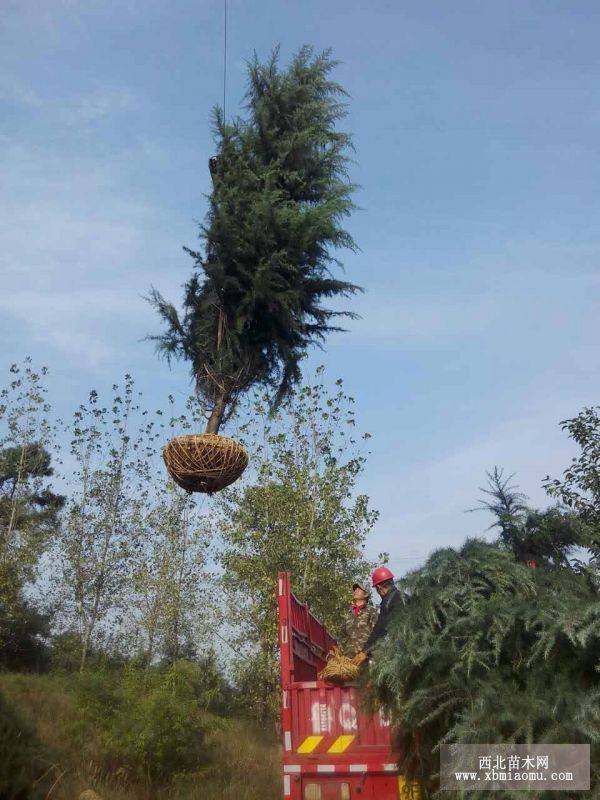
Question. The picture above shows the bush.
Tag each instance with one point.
(23, 633)
(78, 719)
(23, 761)
(66, 649)
(148, 724)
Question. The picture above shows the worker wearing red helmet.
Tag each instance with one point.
(383, 582)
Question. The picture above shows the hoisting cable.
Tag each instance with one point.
(224, 56)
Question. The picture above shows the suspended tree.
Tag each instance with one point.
(255, 300)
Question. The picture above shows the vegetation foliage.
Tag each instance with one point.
(120, 607)
(58, 739)
(497, 641)
(297, 511)
(280, 193)
(489, 649)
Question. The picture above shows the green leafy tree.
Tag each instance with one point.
(28, 507)
(300, 512)
(151, 724)
(28, 511)
(170, 580)
(280, 193)
(101, 538)
(579, 487)
(487, 650)
(24, 633)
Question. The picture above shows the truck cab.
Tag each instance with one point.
(332, 750)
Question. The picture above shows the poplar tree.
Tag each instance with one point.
(29, 509)
(169, 578)
(28, 506)
(111, 448)
(298, 510)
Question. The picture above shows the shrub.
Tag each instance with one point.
(147, 724)
(23, 762)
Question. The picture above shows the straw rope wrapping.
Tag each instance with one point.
(204, 462)
(338, 668)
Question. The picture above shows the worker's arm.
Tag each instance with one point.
(382, 624)
(377, 633)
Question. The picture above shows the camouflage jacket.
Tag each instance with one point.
(358, 628)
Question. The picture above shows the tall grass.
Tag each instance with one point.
(72, 752)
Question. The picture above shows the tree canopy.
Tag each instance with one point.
(254, 303)
(299, 511)
(485, 650)
(489, 649)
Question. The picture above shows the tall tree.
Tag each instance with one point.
(549, 537)
(111, 448)
(170, 579)
(280, 192)
(28, 510)
(28, 507)
(298, 512)
(487, 650)
(579, 487)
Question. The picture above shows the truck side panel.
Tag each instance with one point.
(332, 749)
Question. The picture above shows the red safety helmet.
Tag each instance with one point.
(380, 575)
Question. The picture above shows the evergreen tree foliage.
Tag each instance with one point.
(24, 632)
(29, 513)
(280, 193)
(549, 537)
(27, 508)
(487, 650)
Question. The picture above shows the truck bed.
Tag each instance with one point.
(332, 749)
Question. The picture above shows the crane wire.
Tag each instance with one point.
(224, 57)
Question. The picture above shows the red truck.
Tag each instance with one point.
(331, 749)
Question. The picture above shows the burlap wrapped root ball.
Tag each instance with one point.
(339, 668)
(204, 462)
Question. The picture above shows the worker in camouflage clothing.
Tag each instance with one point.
(360, 621)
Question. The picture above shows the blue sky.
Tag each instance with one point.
(476, 128)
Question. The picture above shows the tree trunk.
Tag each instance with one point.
(85, 647)
(218, 411)
(216, 416)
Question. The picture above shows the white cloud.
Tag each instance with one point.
(75, 322)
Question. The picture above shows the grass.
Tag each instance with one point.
(245, 766)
